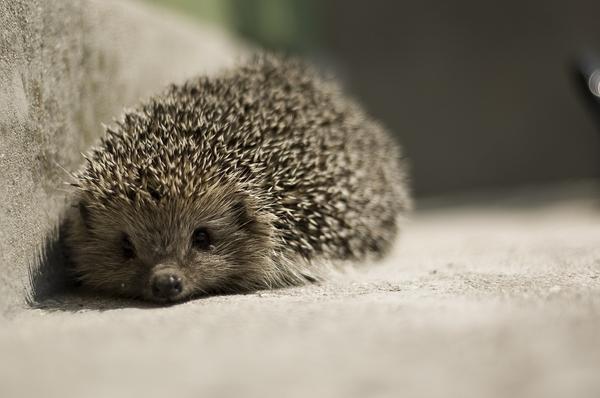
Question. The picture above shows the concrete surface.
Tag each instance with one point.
(499, 299)
(65, 67)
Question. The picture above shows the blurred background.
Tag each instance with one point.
(480, 93)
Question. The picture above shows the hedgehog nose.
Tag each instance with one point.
(166, 286)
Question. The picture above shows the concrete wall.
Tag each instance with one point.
(66, 67)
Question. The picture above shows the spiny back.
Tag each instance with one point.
(330, 176)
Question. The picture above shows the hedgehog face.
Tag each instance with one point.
(172, 249)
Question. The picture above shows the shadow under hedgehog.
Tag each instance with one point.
(260, 177)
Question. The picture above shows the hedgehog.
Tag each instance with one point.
(263, 176)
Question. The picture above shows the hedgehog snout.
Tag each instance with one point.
(166, 284)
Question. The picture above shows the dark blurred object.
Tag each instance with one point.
(586, 73)
(476, 91)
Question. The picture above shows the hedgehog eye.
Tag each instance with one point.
(201, 239)
(127, 247)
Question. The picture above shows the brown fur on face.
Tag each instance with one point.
(160, 236)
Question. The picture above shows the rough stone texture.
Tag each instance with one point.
(65, 67)
(494, 300)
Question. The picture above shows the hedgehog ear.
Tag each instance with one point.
(248, 218)
(242, 213)
(84, 212)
